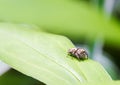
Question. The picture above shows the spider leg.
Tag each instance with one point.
(77, 55)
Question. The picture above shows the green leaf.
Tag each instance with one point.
(44, 56)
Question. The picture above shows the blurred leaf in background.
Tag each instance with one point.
(68, 17)
(13, 77)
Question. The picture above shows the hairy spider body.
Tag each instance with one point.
(78, 52)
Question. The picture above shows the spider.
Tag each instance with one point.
(78, 53)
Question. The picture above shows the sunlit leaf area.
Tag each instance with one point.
(59, 42)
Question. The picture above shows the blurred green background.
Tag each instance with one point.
(99, 33)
